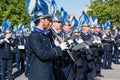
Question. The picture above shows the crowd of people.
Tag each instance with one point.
(50, 51)
(54, 50)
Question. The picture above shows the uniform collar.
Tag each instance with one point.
(67, 32)
(86, 33)
(41, 31)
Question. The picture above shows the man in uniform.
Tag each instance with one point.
(94, 47)
(68, 69)
(88, 60)
(107, 42)
(55, 29)
(6, 55)
(117, 46)
(99, 34)
(20, 56)
(42, 51)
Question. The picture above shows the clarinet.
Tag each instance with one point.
(60, 40)
(56, 36)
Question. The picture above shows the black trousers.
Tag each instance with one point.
(100, 55)
(6, 66)
(20, 58)
(107, 59)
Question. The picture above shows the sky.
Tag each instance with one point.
(72, 6)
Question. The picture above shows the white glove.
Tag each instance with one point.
(99, 42)
(87, 47)
(1, 41)
(56, 42)
(80, 41)
(95, 41)
(63, 46)
(118, 48)
(70, 41)
(112, 40)
(6, 40)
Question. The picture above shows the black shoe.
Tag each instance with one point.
(105, 68)
(22, 68)
(100, 75)
(109, 68)
(26, 74)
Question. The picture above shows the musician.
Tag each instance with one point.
(89, 60)
(6, 55)
(58, 60)
(94, 47)
(99, 34)
(55, 29)
(117, 46)
(107, 43)
(68, 70)
(42, 50)
(20, 56)
(86, 71)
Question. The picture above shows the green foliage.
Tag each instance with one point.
(14, 11)
(106, 9)
(57, 13)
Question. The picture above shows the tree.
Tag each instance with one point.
(106, 9)
(14, 11)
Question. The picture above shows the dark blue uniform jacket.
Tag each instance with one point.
(42, 52)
